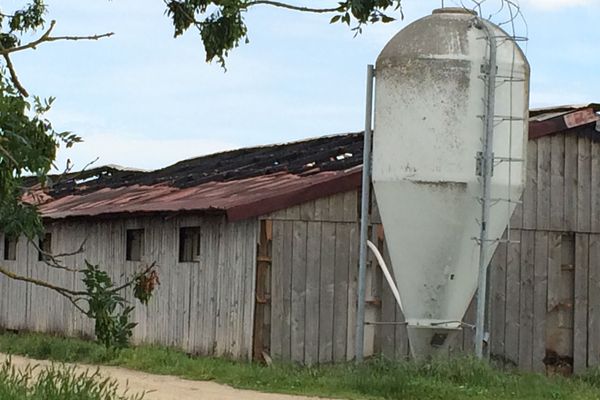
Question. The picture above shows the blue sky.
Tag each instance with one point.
(143, 99)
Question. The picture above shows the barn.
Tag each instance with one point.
(257, 251)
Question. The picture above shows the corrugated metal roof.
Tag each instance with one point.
(238, 199)
(241, 183)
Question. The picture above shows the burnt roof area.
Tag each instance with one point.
(328, 153)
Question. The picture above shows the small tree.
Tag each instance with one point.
(28, 145)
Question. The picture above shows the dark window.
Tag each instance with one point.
(45, 245)
(189, 244)
(10, 248)
(135, 244)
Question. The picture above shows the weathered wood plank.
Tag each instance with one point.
(401, 343)
(571, 169)
(277, 289)
(530, 191)
(387, 333)
(211, 286)
(336, 207)
(288, 247)
(340, 306)
(322, 209)
(584, 181)
(593, 327)
(513, 294)
(558, 337)
(376, 291)
(313, 272)
(248, 265)
(554, 270)
(595, 188)
(293, 213)
(543, 183)
(298, 310)
(307, 211)
(526, 300)
(540, 298)
(469, 334)
(498, 300)
(557, 182)
(262, 290)
(326, 293)
(351, 206)
(580, 337)
(372, 300)
(352, 288)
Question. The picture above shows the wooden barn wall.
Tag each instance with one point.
(313, 281)
(544, 296)
(545, 284)
(203, 307)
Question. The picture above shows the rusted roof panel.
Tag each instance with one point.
(558, 120)
(239, 199)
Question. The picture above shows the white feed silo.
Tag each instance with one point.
(431, 111)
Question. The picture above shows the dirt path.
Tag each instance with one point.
(164, 387)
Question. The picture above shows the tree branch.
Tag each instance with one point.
(13, 75)
(63, 291)
(52, 260)
(47, 38)
(134, 277)
(290, 6)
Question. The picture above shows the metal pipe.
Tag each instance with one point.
(364, 217)
(486, 172)
(386, 272)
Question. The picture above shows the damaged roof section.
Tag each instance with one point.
(328, 153)
(242, 183)
(252, 181)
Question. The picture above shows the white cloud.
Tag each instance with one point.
(559, 4)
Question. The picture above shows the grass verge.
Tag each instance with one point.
(57, 383)
(463, 378)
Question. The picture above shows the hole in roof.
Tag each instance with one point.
(310, 164)
(85, 180)
(343, 156)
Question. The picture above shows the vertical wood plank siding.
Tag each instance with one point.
(314, 272)
(203, 307)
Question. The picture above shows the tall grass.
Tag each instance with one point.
(57, 383)
(451, 379)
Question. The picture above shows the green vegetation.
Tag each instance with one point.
(377, 379)
(57, 383)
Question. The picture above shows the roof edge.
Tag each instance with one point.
(563, 122)
(346, 181)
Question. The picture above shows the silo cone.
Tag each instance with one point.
(429, 127)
